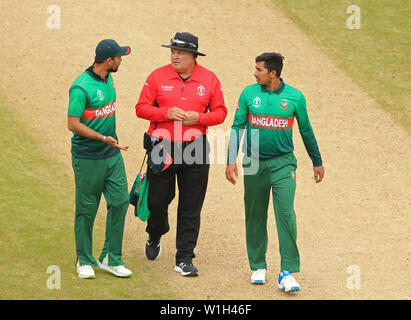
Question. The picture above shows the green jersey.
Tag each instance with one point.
(93, 100)
(268, 118)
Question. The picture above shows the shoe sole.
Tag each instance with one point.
(292, 289)
(185, 274)
(159, 253)
(87, 277)
(112, 271)
(258, 282)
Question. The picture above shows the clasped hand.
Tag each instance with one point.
(187, 117)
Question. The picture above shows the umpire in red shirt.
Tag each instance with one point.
(181, 100)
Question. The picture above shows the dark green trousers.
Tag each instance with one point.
(94, 178)
(276, 176)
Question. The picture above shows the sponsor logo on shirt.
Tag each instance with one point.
(103, 112)
(269, 122)
(167, 88)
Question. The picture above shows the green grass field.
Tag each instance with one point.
(37, 198)
(376, 56)
(36, 229)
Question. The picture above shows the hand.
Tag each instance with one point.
(318, 173)
(191, 118)
(113, 143)
(175, 113)
(231, 173)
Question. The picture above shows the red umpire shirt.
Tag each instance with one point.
(164, 89)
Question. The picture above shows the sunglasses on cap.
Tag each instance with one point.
(182, 43)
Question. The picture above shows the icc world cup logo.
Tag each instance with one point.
(201, 90)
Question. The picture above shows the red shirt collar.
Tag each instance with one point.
(172, 74)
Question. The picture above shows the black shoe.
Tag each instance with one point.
(186, 269)
(153, 249)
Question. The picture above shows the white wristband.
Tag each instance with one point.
(104, 139)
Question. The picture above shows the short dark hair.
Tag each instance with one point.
(97, 61)
(272, 61)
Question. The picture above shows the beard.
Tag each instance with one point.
(113, 69)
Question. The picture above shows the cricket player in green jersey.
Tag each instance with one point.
(97, 161)
(266, 112)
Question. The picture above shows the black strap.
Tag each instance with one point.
(145, 156)
(158, 106)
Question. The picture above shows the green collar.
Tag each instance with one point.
(277, 90)
(94, 75)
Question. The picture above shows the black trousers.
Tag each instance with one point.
(192, 179)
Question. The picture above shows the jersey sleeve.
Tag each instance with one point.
(307, 133)
(217, 110)
(77, 102)
(146, 107)
(237, 129)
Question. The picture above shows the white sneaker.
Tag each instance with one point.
(119, 271)
(85, 271)
(287, 282)
(258, 276)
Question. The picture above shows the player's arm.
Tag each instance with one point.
(77, 104)
(81, 129)
(309, 139)
(237, 130)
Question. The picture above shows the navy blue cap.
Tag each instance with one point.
(109, 48)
